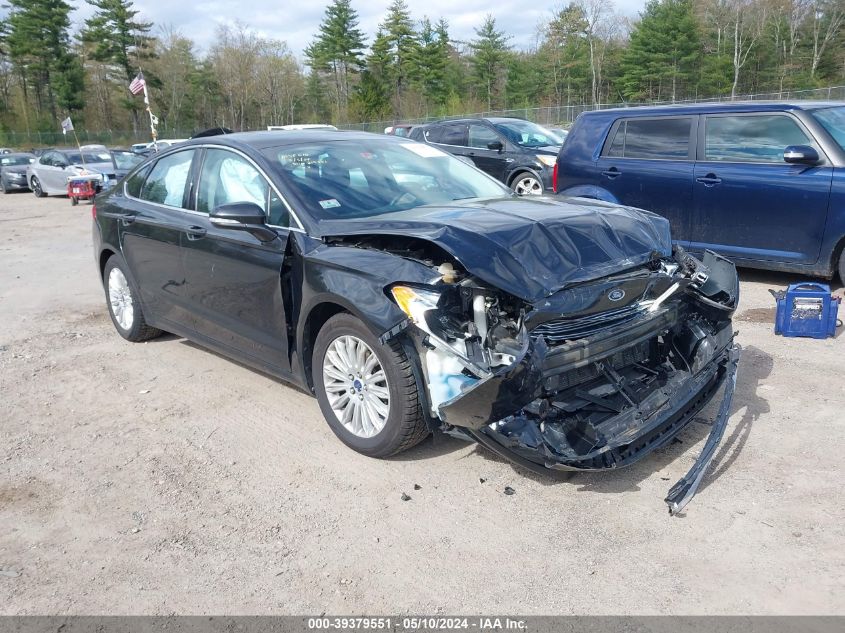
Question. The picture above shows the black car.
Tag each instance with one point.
(411, 293)
(13, 171)
(517, 152)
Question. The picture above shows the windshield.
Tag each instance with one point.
(832, 120)
(16, 160)
(528, 134)
(75, 158)
(365, 178)
(126, 160)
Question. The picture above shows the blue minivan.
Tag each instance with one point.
(762, 183)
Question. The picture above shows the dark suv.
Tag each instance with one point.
(518, 152)
(762, 183)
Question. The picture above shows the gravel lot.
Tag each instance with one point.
(161, 478)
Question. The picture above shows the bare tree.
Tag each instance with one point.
(748, 20)
(827, 17)
(601, 26)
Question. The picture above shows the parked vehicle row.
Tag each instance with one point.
(411, 292)
(49, 173)
(13, 166)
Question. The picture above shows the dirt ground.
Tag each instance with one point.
(160, 478)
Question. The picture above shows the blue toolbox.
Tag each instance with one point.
(806, 309)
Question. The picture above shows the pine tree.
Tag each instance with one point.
(400, 41)
(661, 59)
(489, 54)
(338, 49)
(430, 61)
(39, 47)
(119, 39)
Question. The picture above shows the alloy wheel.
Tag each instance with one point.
(36, 187)
(356, 386)
(120, 299)
(528, 186)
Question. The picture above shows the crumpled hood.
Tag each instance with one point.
(528, 247)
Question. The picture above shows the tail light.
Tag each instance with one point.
(94, 206)
(554, 178)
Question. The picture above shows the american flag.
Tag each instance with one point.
(137, 85)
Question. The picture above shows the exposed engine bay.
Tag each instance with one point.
(593, 376)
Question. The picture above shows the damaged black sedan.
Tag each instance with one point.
(412, 293)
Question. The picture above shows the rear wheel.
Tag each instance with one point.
(366, 390)
(36, 188)
(74, 201)
(124, 307)
(3, 186)
(842, 266)
(527, 184)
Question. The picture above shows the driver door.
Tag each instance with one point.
(491, 161)
(233, 281)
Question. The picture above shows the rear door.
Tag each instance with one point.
(648, 163)
(452, 138)
(154, 219)
(749, 203)
(233, 280)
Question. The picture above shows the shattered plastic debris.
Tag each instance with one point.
(417, 487)
(405, 497)
(509, 491)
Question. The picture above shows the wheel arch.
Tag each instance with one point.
(523, 169)
(105, 255)
(590, 191)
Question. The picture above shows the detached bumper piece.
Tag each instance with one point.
(682, 492)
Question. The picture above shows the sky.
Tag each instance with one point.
(297, 22)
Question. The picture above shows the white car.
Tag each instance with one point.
(302, 126)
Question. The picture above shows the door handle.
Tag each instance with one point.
(195, 232)
(126, 220)
(611, 173)
(709, 180)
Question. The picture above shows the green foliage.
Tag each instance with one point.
(489, 54)
(663, 52)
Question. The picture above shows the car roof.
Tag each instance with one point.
(276, 138)
(490, 119)
(724, 106)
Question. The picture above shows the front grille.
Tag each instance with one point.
(572, 328)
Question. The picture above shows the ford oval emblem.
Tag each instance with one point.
(617, 294)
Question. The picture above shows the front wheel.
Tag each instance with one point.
(124, 307)
(366, 390)
(842, 266)
(36, 188)
(74, 201)
(526, 184)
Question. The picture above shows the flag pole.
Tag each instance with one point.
(152, 119)
(79, 147)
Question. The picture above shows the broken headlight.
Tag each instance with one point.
(415, 302)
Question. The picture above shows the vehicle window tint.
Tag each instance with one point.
(651, 138)
(136, 181)
(167, 179)
(757, 139)
(46, 158)
(454, 135)
(227, 178)
(481, 135)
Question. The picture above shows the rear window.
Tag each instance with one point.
(755, 139)
(661, 139)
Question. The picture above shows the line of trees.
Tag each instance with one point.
(584, 53)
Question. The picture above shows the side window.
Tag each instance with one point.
(167, 179)
(662, 139)
(136, 181)
(756, 139)
(227, 177)
(46, 158)
(481, 135)
(454, 135)
(433, 134)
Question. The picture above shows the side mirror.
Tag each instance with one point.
(61, 165)
(243, 216)
(801, 155)
(496, 145)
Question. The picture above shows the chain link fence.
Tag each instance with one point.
(565, 114)
(547, 115)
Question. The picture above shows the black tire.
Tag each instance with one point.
(36, 188)
(74, 201)
(138, 330)
(842, 266)
(3, 186)
(405, 425)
